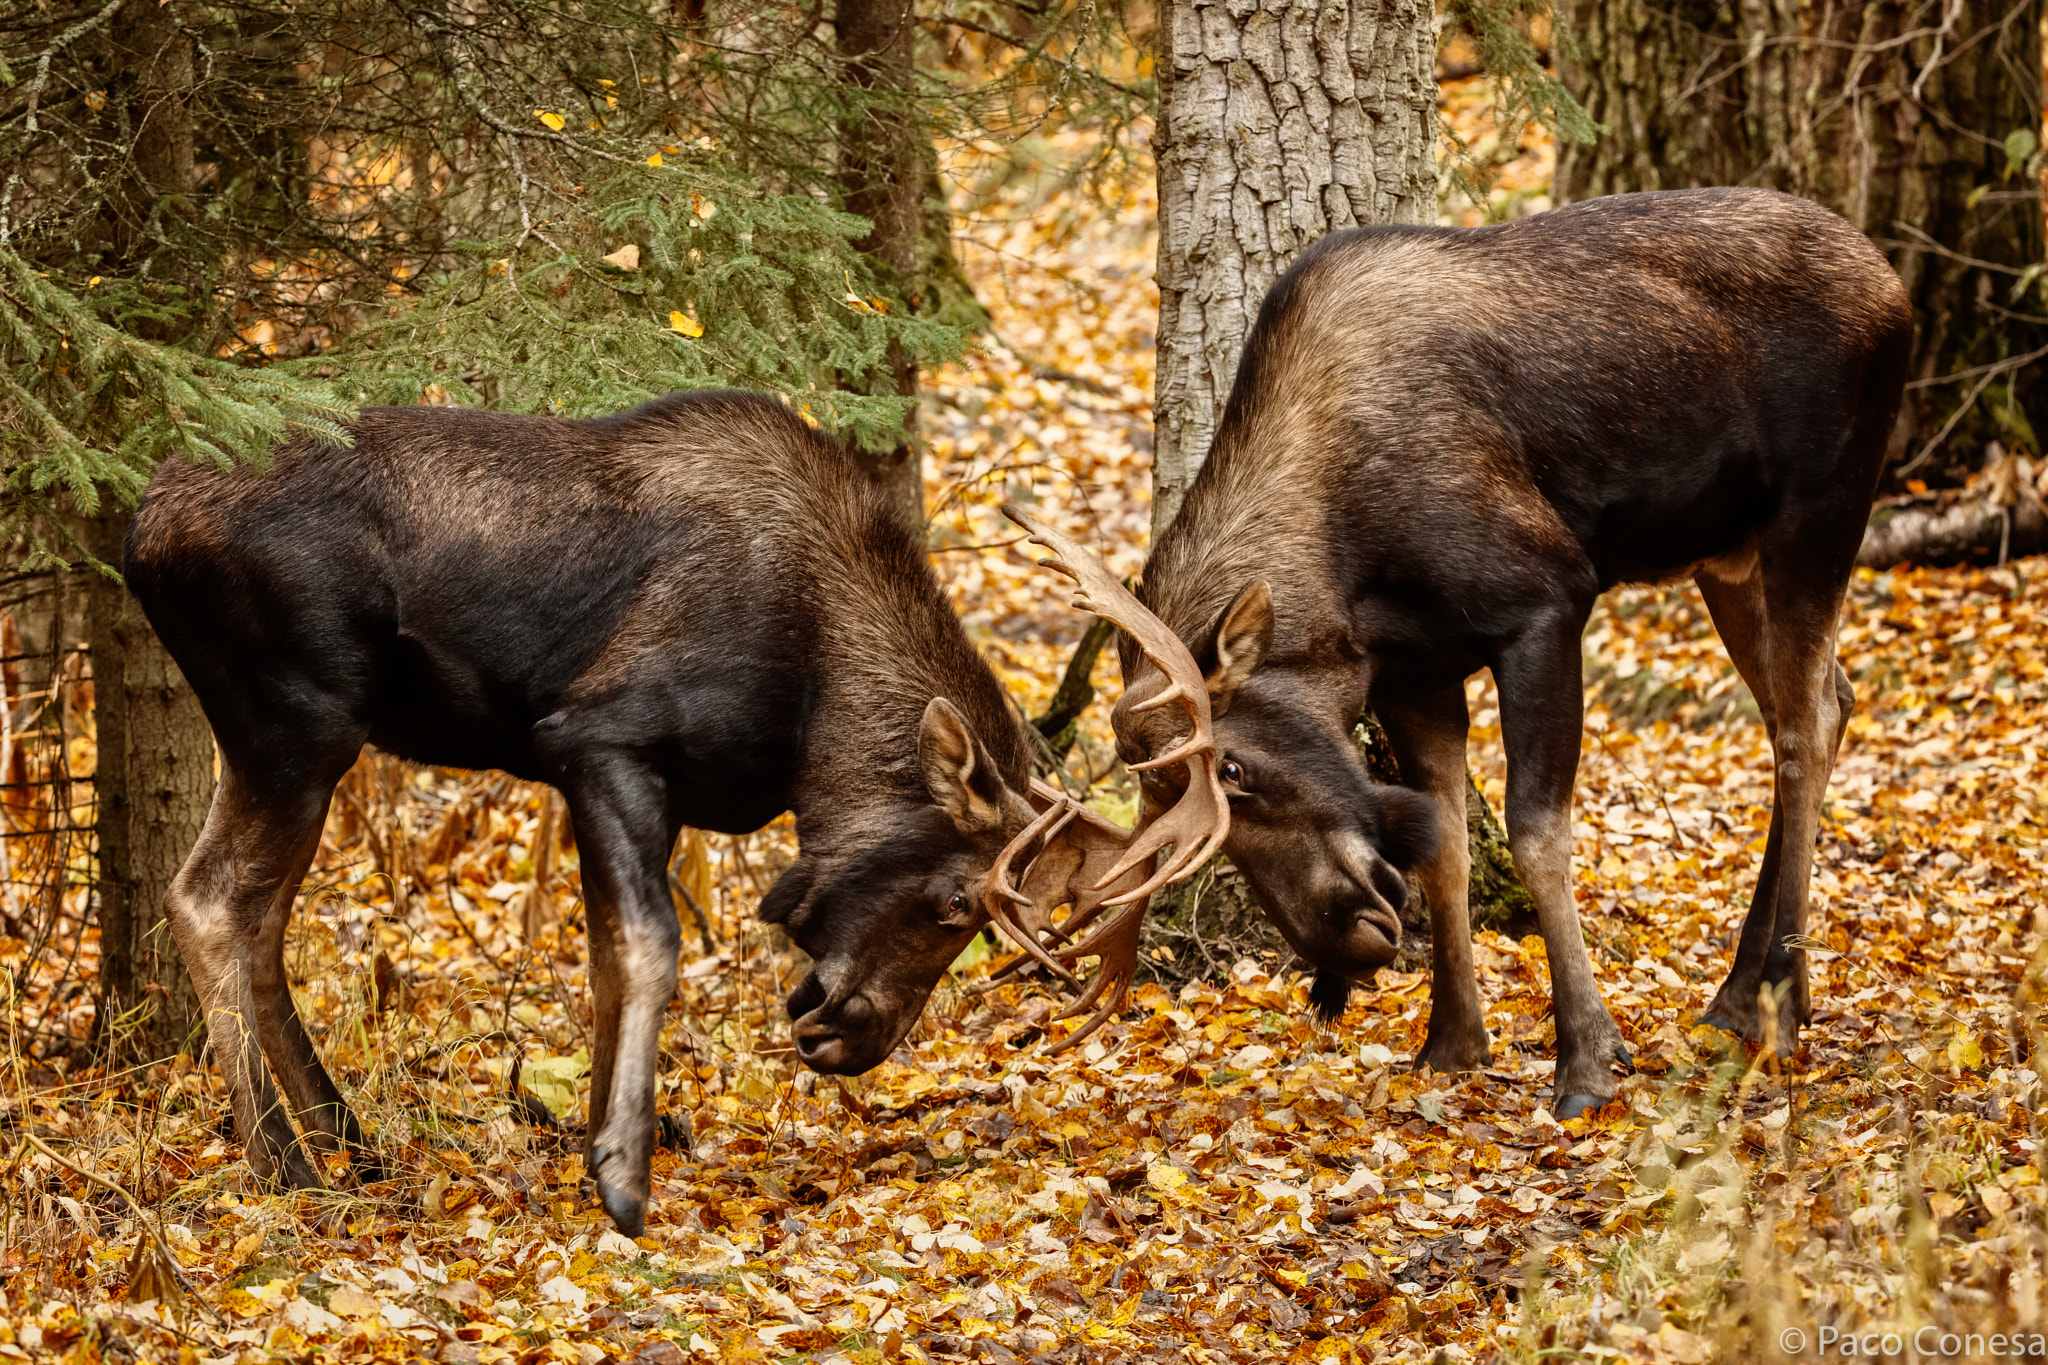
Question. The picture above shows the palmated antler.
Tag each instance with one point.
(1197, 824)
(1087, 861)
(1076, 850)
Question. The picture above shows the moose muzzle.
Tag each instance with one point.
(844, 1035)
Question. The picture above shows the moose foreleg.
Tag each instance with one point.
(1542, 718)
(618, 809)
(1428, 737)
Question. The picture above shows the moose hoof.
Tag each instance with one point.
(1719, 1019)
(1571, 1106)
(626, 1205)
(628, 1214)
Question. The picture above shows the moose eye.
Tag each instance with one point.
(957, 905)
(1232, 772)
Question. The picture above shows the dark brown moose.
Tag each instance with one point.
(1441, 446)
(696, 613)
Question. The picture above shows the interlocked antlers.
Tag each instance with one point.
(1087, 862)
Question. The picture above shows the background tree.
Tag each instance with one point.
(883, 149)
(1918, 120)
(1278, 122)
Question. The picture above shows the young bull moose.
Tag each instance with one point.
(694, 613)
(1441, 447)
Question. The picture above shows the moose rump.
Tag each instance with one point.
(697, 613)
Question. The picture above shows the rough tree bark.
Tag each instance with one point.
(154, 776)
(152, 785)
(882, 172)
(1894, 113)
(1279, 121)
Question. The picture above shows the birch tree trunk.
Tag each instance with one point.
(1917, 120)
(1279, 121)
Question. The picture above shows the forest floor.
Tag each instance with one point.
(1215, 1176)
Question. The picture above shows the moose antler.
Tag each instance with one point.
(1198, 823)
(1074, 843)
(1076, 848)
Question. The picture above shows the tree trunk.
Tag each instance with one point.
(1999, 517)
(154, 775)
(882, 172)
(1904, 116)
(1279, 121)
(151, 786)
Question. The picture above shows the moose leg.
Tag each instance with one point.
(1542, 719)
(324, 1115)
(217, 906)
(619, 806)
(1739, 619)
(1810, 703)
(1428, 736)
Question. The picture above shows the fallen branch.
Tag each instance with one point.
(1956, 527)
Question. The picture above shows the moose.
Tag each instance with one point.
(696, 613)
(1441, 446)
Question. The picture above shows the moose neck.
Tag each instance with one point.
(1259, 510)
(887, 643)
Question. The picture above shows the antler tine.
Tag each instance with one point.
(1195, 827)
(1004, 901)
(1206, 821)
(1110, 990)
(1102, 593)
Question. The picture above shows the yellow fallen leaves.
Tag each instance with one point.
(555, 122)
(1215, 1176)
(552, 1080)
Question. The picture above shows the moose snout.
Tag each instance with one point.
(1382, 888)
(836, 1037)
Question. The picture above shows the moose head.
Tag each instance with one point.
(887, 900)
(1252, 762)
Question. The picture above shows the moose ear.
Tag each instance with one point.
(957, 770)
(1242, 638)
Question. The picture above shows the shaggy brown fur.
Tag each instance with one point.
(696, 613)
(1442, 445)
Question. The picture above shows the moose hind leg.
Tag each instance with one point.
(1429, 743)
(1741, 620)
(324, 1115)
(1811, 721)
(217, 907)
(1810, 698)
